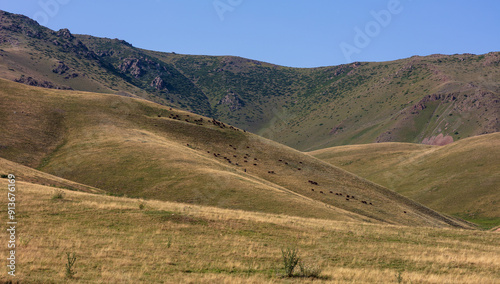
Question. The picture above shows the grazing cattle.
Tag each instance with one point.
(340, 194)
(270, 172)
(371, 203)
(248, 147)
(312, 182)
(352, 196)
(255, 159)
(312, 189)
(300, 162)
(234, 149)
(336, 193)
(245, 161)
(255, 164)
(347, 199)
(187, 145)
(321, 192)
(237, 164)
(234, 156)
(245, 170)
(299, 169)
(159, 115)
(404, 212)
(170, 108)
(280, 160)
(348, 196)
(331, 191)
(364, 202)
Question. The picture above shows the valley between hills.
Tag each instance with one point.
(159, 167)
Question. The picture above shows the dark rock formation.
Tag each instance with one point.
(233, 101)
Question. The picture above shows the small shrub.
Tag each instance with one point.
(399, 277)
(290, 260)
(142, 205)
(311, 271)
(58, 194)
(70, 272)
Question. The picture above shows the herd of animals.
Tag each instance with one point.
(246, 159)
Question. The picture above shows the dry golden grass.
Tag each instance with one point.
(117, 242)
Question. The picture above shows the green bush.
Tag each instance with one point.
(70, 272)
(290, 260)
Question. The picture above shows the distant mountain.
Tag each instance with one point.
(435, 99)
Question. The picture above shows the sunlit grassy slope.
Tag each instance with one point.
(137, 148)
(117, 242)
(462, 178)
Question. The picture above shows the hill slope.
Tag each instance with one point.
(408, 100)
(460, 178)
(141, 149)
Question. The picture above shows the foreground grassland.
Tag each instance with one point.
(116, 241)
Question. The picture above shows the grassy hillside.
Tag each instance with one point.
(460, 178)
(116, 241)
(409, 100)
(136, 148)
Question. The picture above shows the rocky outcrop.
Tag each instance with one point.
(158, 84)
(64, 33)
(39, 83)
(60, 68)
(439, 140)
(232, 100)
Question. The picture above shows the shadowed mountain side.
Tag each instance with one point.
(141, 149)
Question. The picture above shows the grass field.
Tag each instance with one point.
(115, 241)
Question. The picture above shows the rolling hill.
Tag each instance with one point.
(409, 100)
(461, 178)
(133, 147)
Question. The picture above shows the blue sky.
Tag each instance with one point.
(285, 32)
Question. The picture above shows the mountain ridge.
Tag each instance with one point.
(407, 100)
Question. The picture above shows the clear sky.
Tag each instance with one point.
(297, 33)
